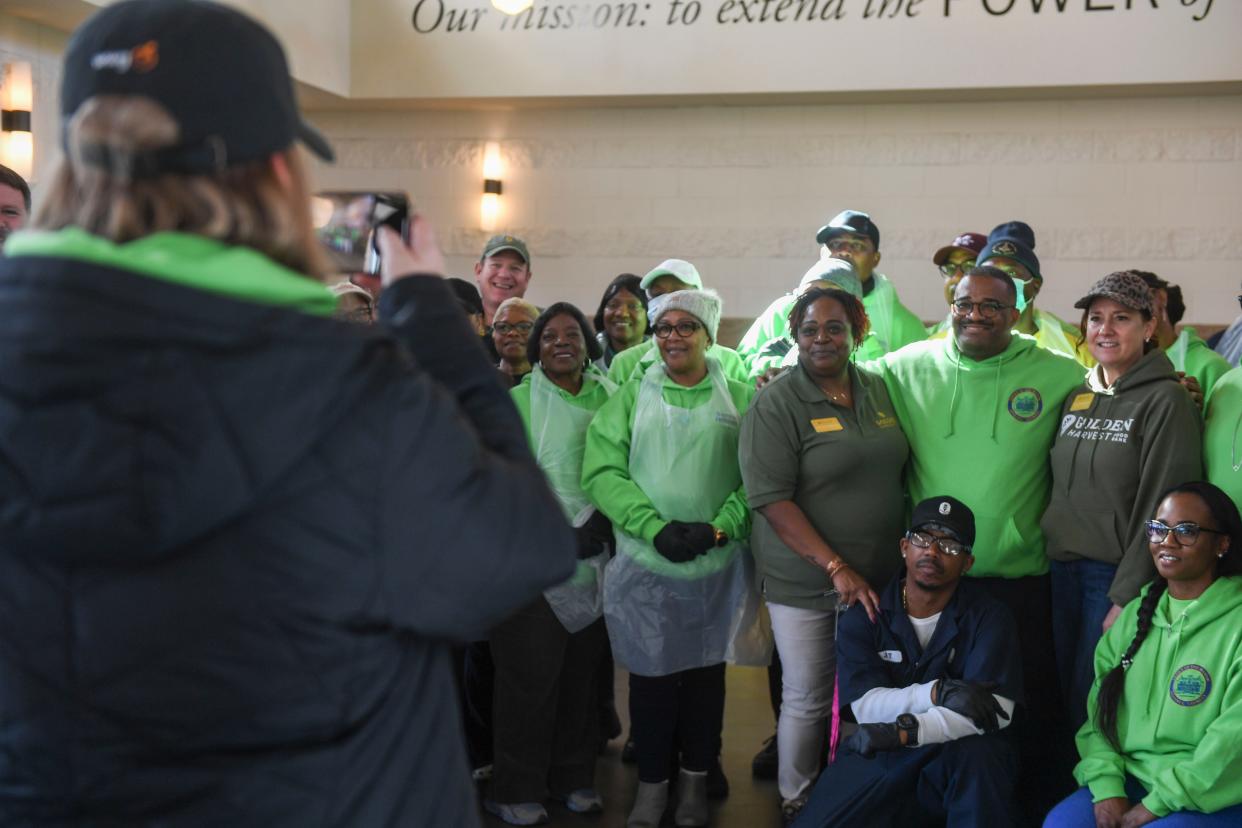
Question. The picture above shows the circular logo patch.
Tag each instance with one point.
(1191, 684)
(1025, 404)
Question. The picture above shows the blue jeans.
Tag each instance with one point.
(1077, 812)
(1079, 603)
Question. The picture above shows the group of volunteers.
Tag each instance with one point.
(242, 534)
(959, 540)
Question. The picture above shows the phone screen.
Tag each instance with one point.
(344, 220)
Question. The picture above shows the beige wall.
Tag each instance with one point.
(1151, 182)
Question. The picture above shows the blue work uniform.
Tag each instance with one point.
(968, 781)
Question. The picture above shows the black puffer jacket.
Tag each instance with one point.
(234, 543)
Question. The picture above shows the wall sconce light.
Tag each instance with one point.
(512, 6)
(16, 101)
(489, 208)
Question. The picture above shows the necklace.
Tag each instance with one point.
(905, 605)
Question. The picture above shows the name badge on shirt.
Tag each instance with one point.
(825, 424)
(892, 656)
(1082, 402)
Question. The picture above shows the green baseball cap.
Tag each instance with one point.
(498, 243)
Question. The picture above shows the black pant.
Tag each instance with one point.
(966, 783)
(474, 672)
(1042, 729)
(546, 706)
(686, 708)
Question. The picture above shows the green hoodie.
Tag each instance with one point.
(1222, 451)
(1190, 354)
(980, 431)
(634, 361)
(1116, 452)
(893, 326)
(1180, 716)
(605, 467)
(187, 260)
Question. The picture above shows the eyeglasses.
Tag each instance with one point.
(685, 329)
(961, 267)
(810, 330)
(925, 541)
(988, 308)
(1186, 532)
(505, 328)
(839, 245)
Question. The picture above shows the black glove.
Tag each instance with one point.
(870, 739)
(671, 542)
(701, 536)
(974, 700)
(594, 536)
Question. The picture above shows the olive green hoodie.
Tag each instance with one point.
(980, 430)
(1180, 716)
(1116, 451)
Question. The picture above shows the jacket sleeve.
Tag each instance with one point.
(606, 468)
(1211, 779)
(1172, 453)
(469, 531)
(1103, 769)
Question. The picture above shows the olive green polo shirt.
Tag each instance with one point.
(842, 467)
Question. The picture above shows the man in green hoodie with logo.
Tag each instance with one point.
(980, 409)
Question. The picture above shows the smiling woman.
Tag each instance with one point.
(1133, 425)
(1163, 737)
(621, 320)
(822, 459)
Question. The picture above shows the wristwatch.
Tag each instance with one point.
(910, 726)
(721, 538)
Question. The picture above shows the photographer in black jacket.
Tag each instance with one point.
(236, 534)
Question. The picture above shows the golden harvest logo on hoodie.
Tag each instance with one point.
(1096, 428)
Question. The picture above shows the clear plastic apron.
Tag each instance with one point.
(558, 432)
(665, 617)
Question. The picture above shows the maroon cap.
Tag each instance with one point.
(970, 242)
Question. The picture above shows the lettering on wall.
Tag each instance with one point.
(439, 17)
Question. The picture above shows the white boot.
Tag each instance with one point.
(649, 805)
(691, 799)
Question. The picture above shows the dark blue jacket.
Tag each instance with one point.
(235, 543)
(975, 640)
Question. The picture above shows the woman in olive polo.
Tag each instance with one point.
(822, 457)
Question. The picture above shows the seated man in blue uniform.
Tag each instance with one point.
(931, 683)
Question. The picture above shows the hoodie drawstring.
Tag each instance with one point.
(957, 381)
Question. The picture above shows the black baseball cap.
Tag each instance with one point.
(949, 513)
(220, 74)
(849, 221)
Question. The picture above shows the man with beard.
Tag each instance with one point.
(981, 409)
(14, 203)
(931, 684)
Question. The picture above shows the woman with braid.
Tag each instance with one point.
(1163, 744)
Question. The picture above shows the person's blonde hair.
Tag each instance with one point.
(245, 205)
(516, 302)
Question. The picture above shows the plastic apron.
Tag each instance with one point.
(558, 433)
(665, 617)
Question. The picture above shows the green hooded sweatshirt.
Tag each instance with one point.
(1180, 716)
(634, 361)
(1222, 450)
(1189, 353)
(893, 326)
(1116, 451)
(980, 431)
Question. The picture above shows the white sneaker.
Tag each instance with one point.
(584, 801)
(521, 813)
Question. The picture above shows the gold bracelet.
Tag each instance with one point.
(835, 567)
